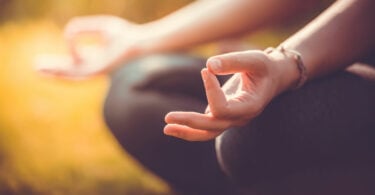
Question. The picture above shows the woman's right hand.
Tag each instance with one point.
(258, 78)
(120, 41)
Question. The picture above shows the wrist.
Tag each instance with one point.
(287, 69)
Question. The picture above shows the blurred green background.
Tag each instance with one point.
(52, 136)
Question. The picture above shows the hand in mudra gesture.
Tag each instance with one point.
(258, 77)
(119, 40)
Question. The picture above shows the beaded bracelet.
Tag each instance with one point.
(298, 59)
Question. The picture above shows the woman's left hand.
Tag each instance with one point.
(258, 78)
(116, 41)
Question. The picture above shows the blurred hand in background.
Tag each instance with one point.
(113, 40)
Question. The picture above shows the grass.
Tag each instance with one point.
(52, 136)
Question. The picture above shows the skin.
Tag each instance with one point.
(323, 48)
(182, 29)
(243, 97)
(331, 42)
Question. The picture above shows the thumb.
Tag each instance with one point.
(234, 62)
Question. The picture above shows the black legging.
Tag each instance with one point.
(315, 140)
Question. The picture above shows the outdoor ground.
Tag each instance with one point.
(52, 136)
(53, 140)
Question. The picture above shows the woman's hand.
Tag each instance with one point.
(119, 41)
(258, 78)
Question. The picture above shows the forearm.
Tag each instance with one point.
(209, 20)
(337, 38)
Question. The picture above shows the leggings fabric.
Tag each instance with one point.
(315, 140)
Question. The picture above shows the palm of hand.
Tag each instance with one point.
(241, 98)
(241, 93)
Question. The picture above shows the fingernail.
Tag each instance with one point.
(214, 64)
(168, 131)
(204, 74)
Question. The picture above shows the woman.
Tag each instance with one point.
(275, 133)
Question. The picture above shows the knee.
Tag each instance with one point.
(223, 155)
(130, 92)
(119, 111)
(144, 90)
(126, 106)
(119, 97)
(231, 160)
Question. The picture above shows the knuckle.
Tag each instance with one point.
(224, 112)
(187, 122)
(220, 113)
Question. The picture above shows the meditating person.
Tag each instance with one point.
(290, 119)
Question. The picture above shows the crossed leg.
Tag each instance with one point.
(317, 140)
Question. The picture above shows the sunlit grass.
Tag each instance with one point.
(52, 136)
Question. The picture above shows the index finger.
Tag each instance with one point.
(217, 101)
(81, 26)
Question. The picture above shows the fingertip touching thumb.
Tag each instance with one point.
(214, 65)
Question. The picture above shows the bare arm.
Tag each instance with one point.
(208, 20)
(199, 22)
(337, 38)
(343, 34)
